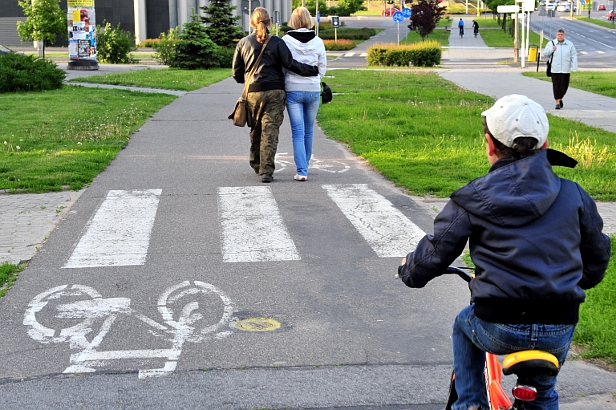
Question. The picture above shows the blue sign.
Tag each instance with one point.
(407, 13)
(398, 17)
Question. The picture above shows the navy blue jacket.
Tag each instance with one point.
(534, 238)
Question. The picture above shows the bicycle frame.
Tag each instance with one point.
(497, 398)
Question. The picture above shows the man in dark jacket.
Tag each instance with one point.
(536, 242)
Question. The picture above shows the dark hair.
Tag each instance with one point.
(522, 146)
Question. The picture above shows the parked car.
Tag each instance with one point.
(601, 7)
(389, 11)
(550, 5)
(5, 50)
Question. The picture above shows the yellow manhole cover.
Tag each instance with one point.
(258, 324)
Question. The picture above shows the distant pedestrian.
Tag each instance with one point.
(564, 61)
(461, 27)
(303, 93)
(266, 93)
(475, 28)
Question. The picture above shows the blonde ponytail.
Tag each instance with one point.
(260, 21)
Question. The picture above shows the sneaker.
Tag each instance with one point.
(300, 177)
(557, 107)
(267, 179)
(561, 104)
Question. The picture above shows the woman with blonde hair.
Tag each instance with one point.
(266, 93)
(303, 92)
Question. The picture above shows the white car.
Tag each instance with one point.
(550, 6)
(563, 7)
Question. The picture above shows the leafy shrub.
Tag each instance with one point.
(348, 33)
(225, 57)
(165, 47)
(149, 43)
(331, 45)
(424, 54)
(115, 45)
(20, 72)
(194, 49)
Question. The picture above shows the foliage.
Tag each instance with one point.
(340, 45)
(311, 5)
(194, 49)
(115, 45)
(425, 17)
(221, 23)
(149, 42)
(20, 72)
(44, 21)
(347, 33)
(350, 6)
(424, 54)
(224, 56)
(8, 275)
(165, 47)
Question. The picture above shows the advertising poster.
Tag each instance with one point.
(81, 30)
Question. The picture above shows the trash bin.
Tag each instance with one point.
(532, 52)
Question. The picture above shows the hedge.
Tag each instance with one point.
(424, 54)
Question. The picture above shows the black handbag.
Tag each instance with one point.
(326, 93)
(548, 71)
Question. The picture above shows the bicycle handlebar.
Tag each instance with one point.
(464, 272)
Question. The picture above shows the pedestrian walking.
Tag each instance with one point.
(266, 93)
(564, 61)
(303, 93)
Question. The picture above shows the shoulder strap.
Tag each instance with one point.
(254, 68)
(552, 55)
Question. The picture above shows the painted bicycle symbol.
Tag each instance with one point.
(329, 165)
(190, 312)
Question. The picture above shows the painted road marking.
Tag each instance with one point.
(252, 227)
(119, 233)
(86, 304)
(386, 229)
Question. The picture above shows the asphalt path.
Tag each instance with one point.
(325, 324)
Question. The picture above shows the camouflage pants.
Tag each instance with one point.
(267, 112)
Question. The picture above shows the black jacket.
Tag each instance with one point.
(269, 75)
(534, 238)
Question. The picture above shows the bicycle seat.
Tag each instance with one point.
(528, 362)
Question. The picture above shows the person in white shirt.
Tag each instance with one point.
(303, 93)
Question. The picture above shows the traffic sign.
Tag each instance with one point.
(398, 17)
(508, 9)
(407, 12)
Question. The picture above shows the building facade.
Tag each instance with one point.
(144, 18)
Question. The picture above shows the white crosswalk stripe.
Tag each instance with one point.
(248, 214)
(119, 232)
(386, 229)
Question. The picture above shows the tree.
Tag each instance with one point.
(221, 23)
(195, 49)
(425, 17)
(45, 20)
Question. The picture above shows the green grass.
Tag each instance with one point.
(596, 332)
(62, 139)
(439, 34)
(8, 275)
(500, 38)
(426, 133)
(165, 78)
(598, 82)
(602, 23)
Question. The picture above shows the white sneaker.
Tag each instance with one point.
(300, 178)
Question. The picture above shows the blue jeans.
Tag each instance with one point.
(472, 337)
(302, 107)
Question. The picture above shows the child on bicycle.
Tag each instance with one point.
(461, 27)
(536, 243)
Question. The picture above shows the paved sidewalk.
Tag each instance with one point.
(26, 220)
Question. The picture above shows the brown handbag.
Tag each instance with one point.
(240, 114)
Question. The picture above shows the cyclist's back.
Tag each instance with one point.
(535, 240)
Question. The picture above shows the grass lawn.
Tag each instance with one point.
(500, 38)
(598, 82)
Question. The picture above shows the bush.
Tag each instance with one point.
(165, 47)
(424, 54)
(115, 45)
(149, 43)
(19, 72)
(224, 57)
(331, 45)
(348, 33)
(194, 49)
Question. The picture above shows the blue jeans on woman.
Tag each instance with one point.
(302, 107)
(472, 337)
